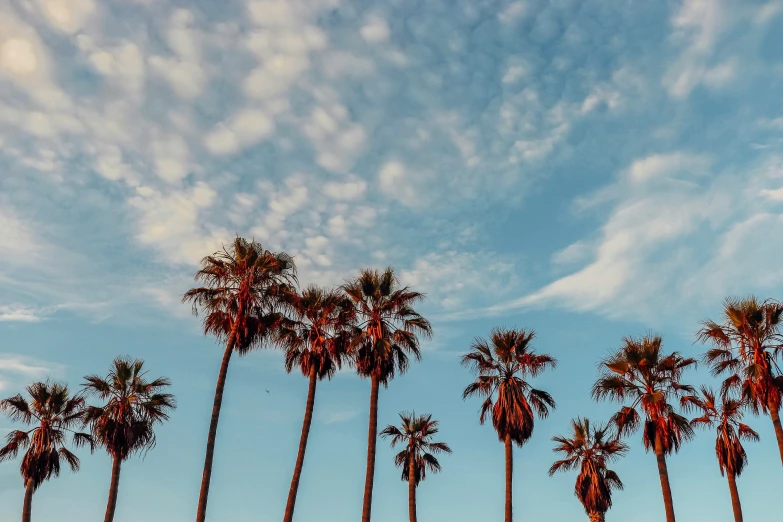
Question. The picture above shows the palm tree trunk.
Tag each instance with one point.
(372, 434)
(115, 486)
(412, 488)
(308, 419)
(775, 416)
(663, 473)
(27, 508)
(509, 477)
(597, 516)
(201, 514)
(735, 500)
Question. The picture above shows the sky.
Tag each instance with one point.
(584, 168)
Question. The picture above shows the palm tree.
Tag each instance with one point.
(386, 330)
(640, 375)
(54, 413)
(725, 416)
(243, 285)
(744, 348)
(418, 456)
(315, 341)
(125, 423)
(590, 448)
(502, 366)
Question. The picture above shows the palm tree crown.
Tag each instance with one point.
(725, 415)
(387, 327)
(590, 448)
(416, 433)
(54, 414)
(124, 424)
(502, 366)
(315, 337)
(745, 347)
(641, 374)
(243, 286)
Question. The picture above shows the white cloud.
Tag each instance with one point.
(336, 416)
(69, 15)
(18, 56)
(247, 127)
(513, 12)
(18, 314)
(349, 190)
(184, 72)
(338, 141)
(657, 166)
(375, 30)
(171, 158)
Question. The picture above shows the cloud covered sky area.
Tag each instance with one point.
(590, 169)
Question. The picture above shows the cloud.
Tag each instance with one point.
(375, 30)
(247, 127)
(337, 416)
(69, 15)
(9, 314)
(663, 247)
(19, 370)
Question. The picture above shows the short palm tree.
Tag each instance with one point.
(642, 376)
(745, 346)
(243, 285)
(418, 454)
(124, 424)
(315, 339)
(386, 330)
(590, 449)
(54, 415)
(725, 415)
(503, 366)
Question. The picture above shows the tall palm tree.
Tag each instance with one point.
(419, 452)
(315, 340)
(503, 366)
(725, 415)
(745, 345)
(386, 330)
(125, 423)
(53, 413)
(590, 448)
(642, 376)
(242, 287)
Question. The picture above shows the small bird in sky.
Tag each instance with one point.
(267, 391)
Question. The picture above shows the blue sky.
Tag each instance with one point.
(588, 169)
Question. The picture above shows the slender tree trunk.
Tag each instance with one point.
(113, 489)
(735, 500)
(372, 434)
(775, 416)
(308, 419)
(412, 488)
(27, 508)
(597, 516)
(509, 477)
(201, 514)
(663, 473)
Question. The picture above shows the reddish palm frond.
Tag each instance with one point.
(640, 374)
(745, 346)
(316, 336)
(53, 413)
(386, 327)
(501, 366)
(590, 448)
(244, 285)
(725, 415)
(125, 423)
(416, 434)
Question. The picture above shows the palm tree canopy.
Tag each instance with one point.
(416, 433)
(53, 413)
(387, 328)
(502, 366)
(725, 415)
(590, 448)
(639, 373)
(745, 346)
(124, 424)
(243, 285)
(316, 335)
